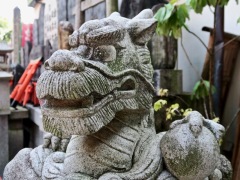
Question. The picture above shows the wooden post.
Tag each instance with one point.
(51, 23)
(79, 16)
(16, 34)
(236, 150)
(111, 6)
(218, 61)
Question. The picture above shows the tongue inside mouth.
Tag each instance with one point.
(57, 103)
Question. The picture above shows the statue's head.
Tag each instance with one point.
(108, 70)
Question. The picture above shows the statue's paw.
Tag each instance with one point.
(53, 166)
(216, 175)
(20, 167)
(109, 176)
(55, 143)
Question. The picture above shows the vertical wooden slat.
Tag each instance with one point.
(51, 23)
(71, 11)
(16, 34)
(111, 6)
(230, 56)
(89, 3)
(236, 152)
(79, 15)
(35, 32)
(97, 11)
(41, 25)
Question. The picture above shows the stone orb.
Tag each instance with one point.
(189, 155)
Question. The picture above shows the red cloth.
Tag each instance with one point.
(27, 31)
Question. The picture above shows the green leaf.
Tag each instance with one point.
(220, 142)
(187, 111)
(171, 18)
(198, 5)
(207, 84)
(174, 106)
(160, 14)
(169, 10)
(196, 86)
(168, 116)
(212, 2)
(173, 1)
(163, 92)
(223, 2)
(201, 90)
(238, 21)
(182, 14)
(216, 119)
(213, 90)
(159, 104)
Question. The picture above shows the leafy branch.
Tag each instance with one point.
(172, 18)
(172, 110)
(5, 30)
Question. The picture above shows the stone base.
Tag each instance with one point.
(168, 79)
(3, 142)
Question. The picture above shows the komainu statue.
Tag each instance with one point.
(96, 101)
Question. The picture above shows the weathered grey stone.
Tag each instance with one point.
(164, 52)
(99, 93)
(190, 149)
(4, 112)
(165, 175)
(20, 170)
(225, 167)
(168, 79)
(4, 142)
(96, 101)
(216, 175)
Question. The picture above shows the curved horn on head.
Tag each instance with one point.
(141, 30)
(144, 14)
(109, 33)
(114, 14)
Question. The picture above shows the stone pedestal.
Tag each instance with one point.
(168, 79)
(16, 130)
(4, 112)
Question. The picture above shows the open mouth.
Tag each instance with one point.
(88, 105)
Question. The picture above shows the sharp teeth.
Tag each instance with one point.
(87, 102)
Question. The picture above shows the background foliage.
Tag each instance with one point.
(5, 30)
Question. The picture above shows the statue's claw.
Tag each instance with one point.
(53, 166)
(55, 143)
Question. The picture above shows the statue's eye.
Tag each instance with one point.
(99, 54)
(85, 51)
(104, 53)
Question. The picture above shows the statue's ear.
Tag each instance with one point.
(141, 30)
(144, 14)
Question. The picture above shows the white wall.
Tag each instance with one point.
(195, 49)
(197, 55)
